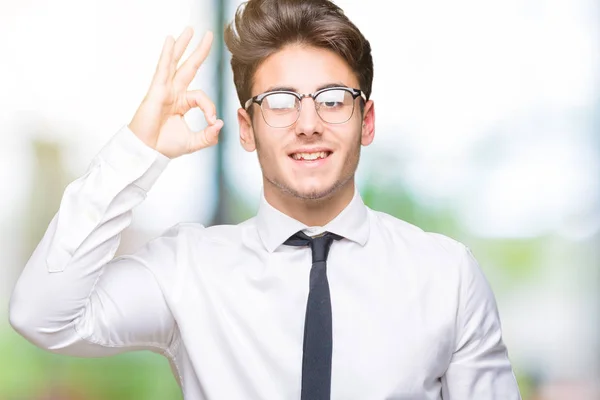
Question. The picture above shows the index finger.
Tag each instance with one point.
(187, 71)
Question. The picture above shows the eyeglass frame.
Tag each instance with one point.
(258, 99)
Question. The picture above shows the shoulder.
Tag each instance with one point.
(187, 244)
(430, 257)
(414, 237)
(186, 233)
(431, 253)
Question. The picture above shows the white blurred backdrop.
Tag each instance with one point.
(488, 111)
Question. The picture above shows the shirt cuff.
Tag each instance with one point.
(133, 159)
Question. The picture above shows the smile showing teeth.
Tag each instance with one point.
(310, 156)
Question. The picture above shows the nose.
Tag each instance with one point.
(308, 122)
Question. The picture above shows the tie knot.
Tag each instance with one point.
(319, 244)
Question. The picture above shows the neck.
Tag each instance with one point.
(311, 212)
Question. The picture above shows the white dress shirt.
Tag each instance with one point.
(413, 315)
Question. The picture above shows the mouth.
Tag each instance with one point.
(311, 158)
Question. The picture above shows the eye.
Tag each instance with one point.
(332, 99)
(280, 102)
(331, 104)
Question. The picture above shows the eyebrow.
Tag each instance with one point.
(293, 89)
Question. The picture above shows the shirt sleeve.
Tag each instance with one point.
(73, 297)
(480, 367)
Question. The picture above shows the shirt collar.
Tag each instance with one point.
(275, 227)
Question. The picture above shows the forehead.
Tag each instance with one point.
(304, 69)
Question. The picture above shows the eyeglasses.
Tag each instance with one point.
(281, 108)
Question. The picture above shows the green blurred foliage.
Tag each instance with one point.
(27, 372)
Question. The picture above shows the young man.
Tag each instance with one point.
(260, 310)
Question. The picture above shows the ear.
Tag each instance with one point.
(368, 126)
(246, 130)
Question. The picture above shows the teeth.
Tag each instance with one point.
(309, 156)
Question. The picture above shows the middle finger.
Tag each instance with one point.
(185, 74)
(180, 45)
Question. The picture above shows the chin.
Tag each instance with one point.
(313, 192)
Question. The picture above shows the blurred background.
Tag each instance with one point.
(488, 131)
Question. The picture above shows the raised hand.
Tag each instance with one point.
(158, 121)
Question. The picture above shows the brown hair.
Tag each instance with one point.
(263, 27)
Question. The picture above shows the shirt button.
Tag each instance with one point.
(313, 230)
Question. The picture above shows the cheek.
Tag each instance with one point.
(268, 148)
(350, 138)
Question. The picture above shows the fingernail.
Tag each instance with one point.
(212, 119)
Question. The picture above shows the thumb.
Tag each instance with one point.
(207, 137)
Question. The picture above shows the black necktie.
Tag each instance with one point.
(318, 343)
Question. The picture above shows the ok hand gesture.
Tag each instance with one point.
(159, 122)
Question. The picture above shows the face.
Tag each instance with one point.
(311, 159)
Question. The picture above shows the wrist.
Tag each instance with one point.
(142, 132)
